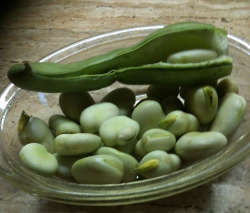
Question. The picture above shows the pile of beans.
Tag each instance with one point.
(116, 140)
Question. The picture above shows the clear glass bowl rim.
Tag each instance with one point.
(125, 193)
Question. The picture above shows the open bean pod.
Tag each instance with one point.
(136, 64)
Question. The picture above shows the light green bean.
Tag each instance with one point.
(98, 169)
(77, 144)
(35, 157)
(62, 125)
(198, 145)
(93, 116)
(230, 114)
(129, 162)
(157, 163)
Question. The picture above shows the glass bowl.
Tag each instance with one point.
(14, 100)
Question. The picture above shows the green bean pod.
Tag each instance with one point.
(135, 64)
(230, 113)
(176, 74)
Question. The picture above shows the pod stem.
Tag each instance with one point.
(148, 166)
(23, 120)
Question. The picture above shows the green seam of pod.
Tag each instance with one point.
(176, 74)
(135, 64)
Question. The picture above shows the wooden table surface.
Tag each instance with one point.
(31, 29)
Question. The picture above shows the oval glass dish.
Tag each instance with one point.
(14, 100)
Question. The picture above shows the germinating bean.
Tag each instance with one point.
(148, 114)
(155, 139)
(129, 162)
(98, 169)
(157, 163)
(62, 125)
(119, 130)
(93, 116)
(230, 113)
(35, 156)
(202, 102)
(77, 144)
(198, 145)
(123, 97)
(179, 123)
(135, 64)
(73, 103)
(34, 130)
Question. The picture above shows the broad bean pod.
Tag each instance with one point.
(135, 64)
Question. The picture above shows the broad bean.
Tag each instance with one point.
(148, 114)
(65, 164)
(202, 102)
(129, 162)
(230, 113)
(155, 139)
(119, 130)
(77, 144)
(34, 130)
(123, 98)
(98, 169)
(93, 116)
(198, 145)
(35, 156)
(179, 123)
(73, 103)
(62, 125)
(192, 56)
(225, 86)
(139, 149)
(157, 163)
